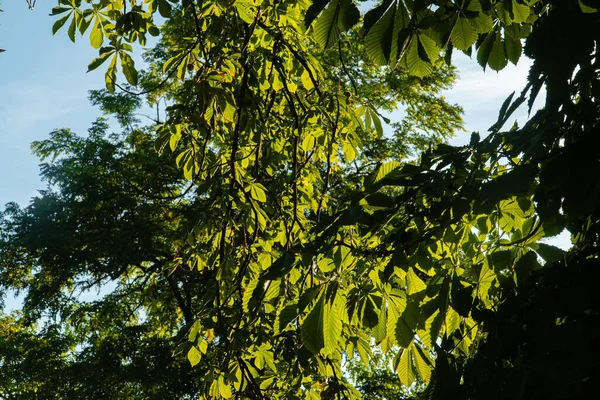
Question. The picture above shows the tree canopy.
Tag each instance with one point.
(266, 231)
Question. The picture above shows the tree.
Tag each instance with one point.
(118, 214)
(300, 271)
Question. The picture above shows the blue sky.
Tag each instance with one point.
(44, 85)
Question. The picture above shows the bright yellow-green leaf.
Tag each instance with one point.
(96, 34)
(452, 321)
(244, 11)
(386, 169)
(422, 364)
(332, 326)
(194, 356)
(486, 279)
(405, 369)
(414, 283)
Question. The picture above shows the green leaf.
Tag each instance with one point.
(72, 29)
(549, 253)
(249, 294)
(59, 23)
(267, 383)
(520, 12)
(224, 388)
(164, 8)
(96, 62)
(338, 17)
(286, 316)
(257, 191)
(404, 335)
(380, 330)
(243, 9)
(314, 10)
(483, 23)
(587, 9)
(332, 325)
(513, 49)
(379, 27)
(452, 321)
(414, 283)
(59, 10)
(525, 266)
(405, 368)
(97, 35)
(376, 122)
(422, 364)
(128, 67)
(415, 64)
(111, 74)
(463, 34)
(483, 53)
(387, 169)
(194, 356)
(486, 278)
(281, 266)
(311, 331)
(497, 59)
(430, 47)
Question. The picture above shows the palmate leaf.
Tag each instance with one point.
(548, 252)
(97, 34)
(404, 335)
(128, 68)
(380, 330)
(332, 325)
(321, 330)
(463, 35)
(387, 169)
(59, 23)
(520, 12)
(513, 49)
(338, 17)
(432, 329)
(428, 47)
(484, 50)
(414, 283)
(482, 23)
(404, 367)
(497, 59)
(413, 62)
(379, 26)
(452, 321)
(314, 10)
(311, 331)
(382, 26)
(486, 279)
(422, 363)
(194, 356)
(285, 317)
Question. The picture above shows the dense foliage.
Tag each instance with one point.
(277, 233)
